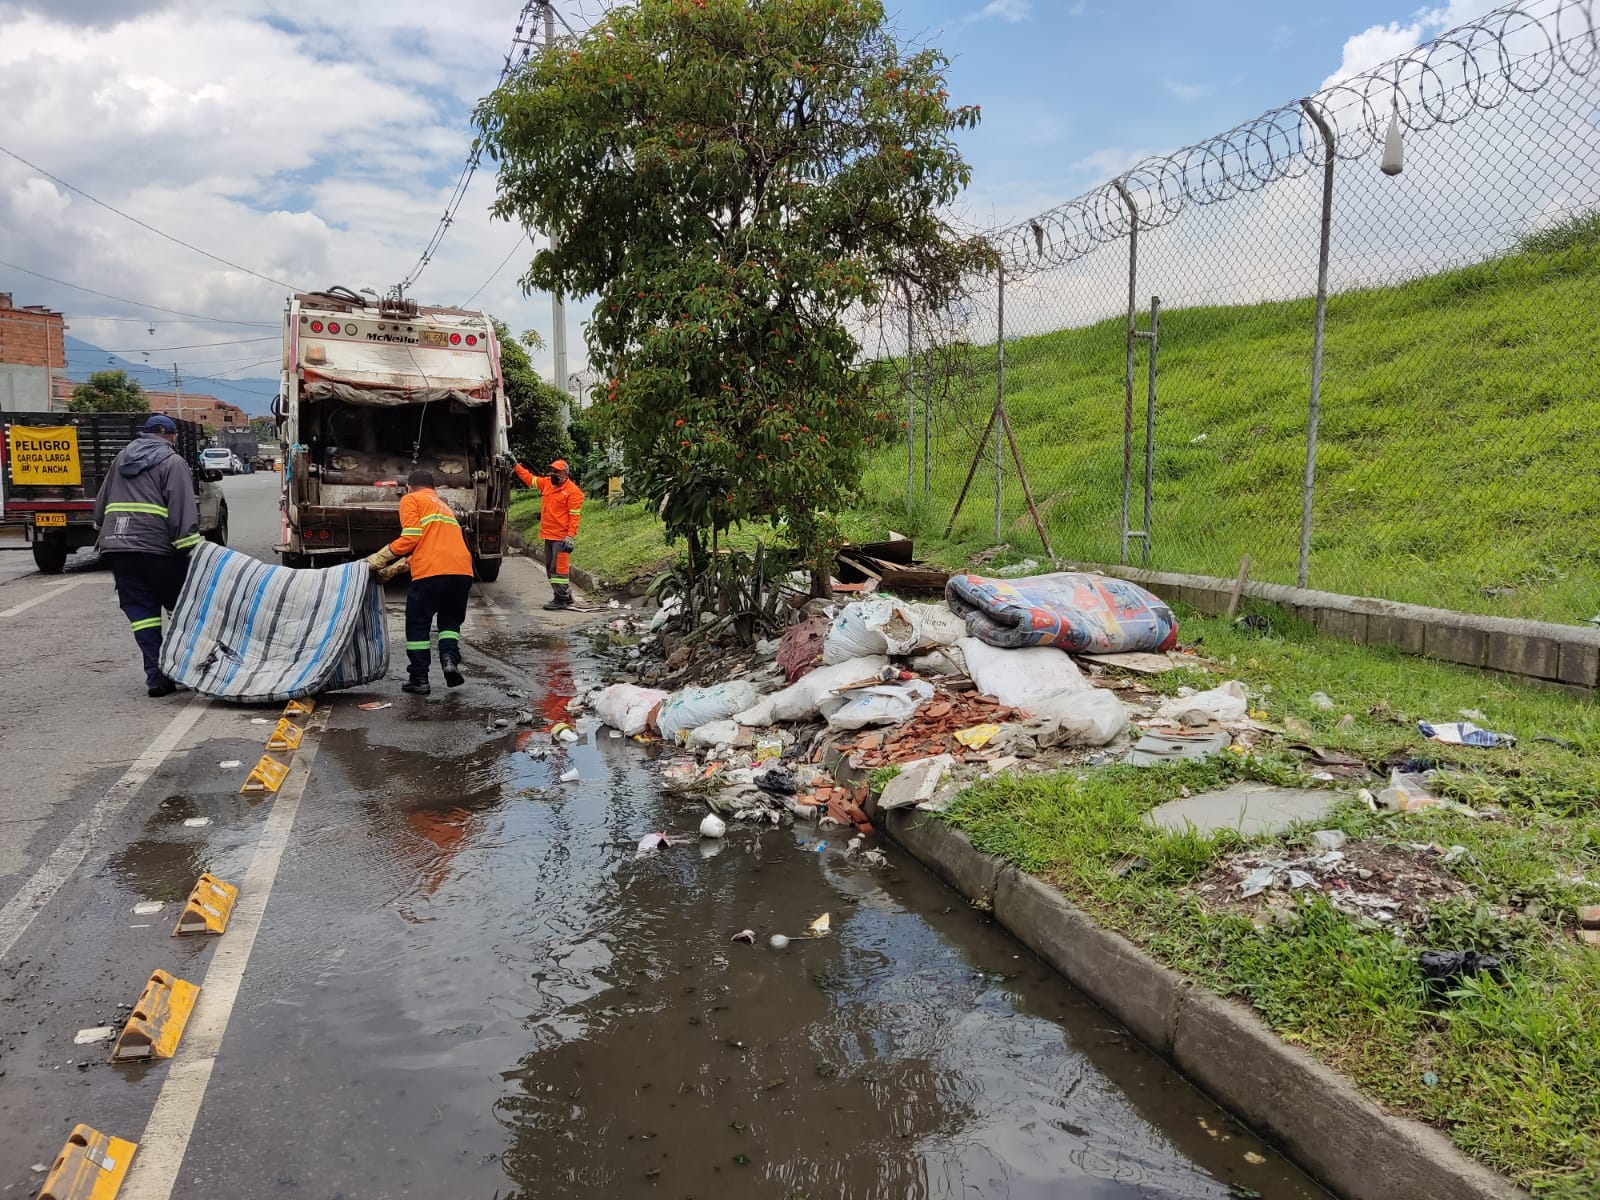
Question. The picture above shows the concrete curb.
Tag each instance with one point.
(1315, 1116)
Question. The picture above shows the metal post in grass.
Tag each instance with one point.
(999, 396)
(1127, 382)
(911, 403)
(1150, 421)
(1328, 155)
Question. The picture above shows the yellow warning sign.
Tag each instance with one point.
(268, 776)
(45, 454)
(157, 1021)
(299, 708)
(286, 736)
(209, 907)
(91, 1166)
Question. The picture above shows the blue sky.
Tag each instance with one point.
(177, 111)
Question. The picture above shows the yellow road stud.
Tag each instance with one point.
(267, 777)
(209, 907)
(91, 1166)
(286, 736)
(299, 708)
(157, 1021)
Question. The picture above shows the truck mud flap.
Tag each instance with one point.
(208, 908)
(91, 1166)
(157, 1020)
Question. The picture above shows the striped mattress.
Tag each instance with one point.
(254, 633)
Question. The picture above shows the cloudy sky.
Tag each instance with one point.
(318, 150)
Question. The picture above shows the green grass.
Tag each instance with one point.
(613, 544)
(1517, 1063)
(1453, 467)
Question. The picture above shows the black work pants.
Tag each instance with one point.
(438, 596)
(146, 584)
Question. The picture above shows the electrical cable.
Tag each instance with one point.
(77, 287)
(143, 224)
(191, 346)
(526, 237)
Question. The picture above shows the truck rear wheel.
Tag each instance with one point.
(219, 535)
(486, 569)
(50, 556)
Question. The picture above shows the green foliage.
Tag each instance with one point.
(731, 181)
(537, 434)
(109, 391)
(1578, 232)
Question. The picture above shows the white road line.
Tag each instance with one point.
(166, 1136)
(21, 909)
(50, 595)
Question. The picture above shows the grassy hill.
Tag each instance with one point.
(1457, 461)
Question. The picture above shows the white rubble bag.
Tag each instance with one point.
(892, 627)
(889, 704)
(804, 699)
(1221, 704)
(696, 706)
(1045, 682)
(627, 708)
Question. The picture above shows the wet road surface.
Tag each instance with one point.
(466, 984)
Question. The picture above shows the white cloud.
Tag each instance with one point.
(1004, 10)
(1188, 92)
(1377, 44)
(1107, 163)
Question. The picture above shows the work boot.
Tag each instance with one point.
(165, 688)
(558, 603)
(417, 685)
(452, 670)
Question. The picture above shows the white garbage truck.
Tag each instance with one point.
(371, 391)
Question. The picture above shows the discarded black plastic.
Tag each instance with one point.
(1442, 967)
(778, 781)
(1254, 623)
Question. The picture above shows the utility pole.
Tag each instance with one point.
(558, 306)
(177, 390)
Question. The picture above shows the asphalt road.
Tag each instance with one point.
(449, 975)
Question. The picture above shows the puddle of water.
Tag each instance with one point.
(524, 1007)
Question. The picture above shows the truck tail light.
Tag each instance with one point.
(316, 327)
(333, 327)
(455, 339)
(472, 339)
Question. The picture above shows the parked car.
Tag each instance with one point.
(219, 458)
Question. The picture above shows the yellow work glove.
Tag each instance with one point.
(381, 559)
(394, 570)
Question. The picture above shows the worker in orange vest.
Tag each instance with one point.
(558, 524)
(441, 577)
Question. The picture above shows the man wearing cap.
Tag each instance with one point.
(148, 522)
(441, 577)
(558, 524)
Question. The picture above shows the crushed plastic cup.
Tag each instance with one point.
(570, 775)
(713, 826)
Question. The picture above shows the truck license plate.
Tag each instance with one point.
(45, 518)
(433, 337)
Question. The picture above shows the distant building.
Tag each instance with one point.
(213, 414)
(32, 349)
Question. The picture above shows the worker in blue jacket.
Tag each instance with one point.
(148, 522)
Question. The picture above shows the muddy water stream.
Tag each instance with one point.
(502, 1000)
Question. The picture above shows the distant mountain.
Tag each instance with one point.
(252, 393)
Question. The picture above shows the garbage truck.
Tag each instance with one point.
(373, 389)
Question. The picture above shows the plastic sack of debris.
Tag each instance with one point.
(1069, 610)
(713, 734)
(945, 660)
(1019, 678)
(693, 707)
(893, 627)
(888, 705)
(1073, 718)
(1221, 704)
(803, 700)
(626, 707)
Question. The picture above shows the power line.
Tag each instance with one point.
(526, 237)
(192, 346)
(135, 303)
(521, 43)
(143, 224)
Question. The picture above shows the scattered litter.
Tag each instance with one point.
(616, 733)
(718, 733)
(196, 822)
(768, 750)
(747, 936)
(1464, 733)
(1221, 704)
(778, 942)
(628, 708)
(697, 706)
(820, 925)
(1407, 792)
(145, 907)
(570, 775)
(371, 706)
(88, 1037)
(1454, 855)
(713, 826)
(886, 705)
(1135, 662)
(1321, 700)
(516, 694)
(229, 764)
(1441, 967)
(977, 736)
(1153, 748)
(803, 700)
(270, 721)
(1430, 1079)
(818, 849)
(651, 842)
(916, 782)
(1328, 839)
(563, 732)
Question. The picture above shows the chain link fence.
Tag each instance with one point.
(1274, 344)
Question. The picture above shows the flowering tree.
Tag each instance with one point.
(734, 181)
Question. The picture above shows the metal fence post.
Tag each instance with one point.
(911, 404)
(1127, 407)
(999, 396)
(1312, 416)
(1154, 339)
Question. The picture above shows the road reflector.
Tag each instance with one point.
(91, 1166)
(286, 736)
(157, 1021)
(299, 708)
(268, 775)
(209, 907)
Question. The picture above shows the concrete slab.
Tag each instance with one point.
(1249, 807)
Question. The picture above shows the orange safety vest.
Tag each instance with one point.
(431, 535)
(559, 519)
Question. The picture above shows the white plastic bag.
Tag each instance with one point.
(697, 706)
(626, 707)
(802, 700)
(891, 704)
(1222, 704)
(713, 734)
(937, 626)
(879, 626)
(1077, 718)
(1021, 678)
